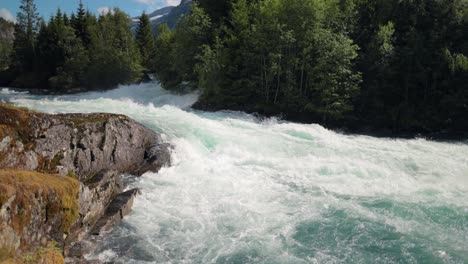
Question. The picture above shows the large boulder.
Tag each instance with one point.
(87, 151)
(78, 144)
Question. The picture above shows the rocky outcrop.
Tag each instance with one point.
(80, 144)
(88, 151)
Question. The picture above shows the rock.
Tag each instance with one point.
(5, 143)
(82, 144)
(95, 195)
(36, 208)
(157, 157)
(115, 212)
(90, 152)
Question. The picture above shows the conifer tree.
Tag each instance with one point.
(26, 30)
(81, 24)
(114, 55)
(145, 41)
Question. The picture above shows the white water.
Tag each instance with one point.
(245, 191)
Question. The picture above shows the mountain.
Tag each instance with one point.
(161, 12)
(157, 17)
(179, 11)
(169, 15)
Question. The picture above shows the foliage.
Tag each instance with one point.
(26, 30)
(162, 62)
(399, 65)
(114, 55)
(76, 51)
(145, 40)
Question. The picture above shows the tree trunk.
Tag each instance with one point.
(278, 81)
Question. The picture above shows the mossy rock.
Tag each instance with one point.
(59, 193)
(50, 254)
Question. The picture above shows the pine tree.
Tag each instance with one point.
(114, 55)
(81, 23)
(145, 41)
(66, 20)
(26, 30)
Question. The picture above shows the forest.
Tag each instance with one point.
(400, 65)
(77, 50)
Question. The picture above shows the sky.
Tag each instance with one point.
(9, 8)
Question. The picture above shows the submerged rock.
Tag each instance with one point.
(91, 151)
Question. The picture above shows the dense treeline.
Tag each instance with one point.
(80, 50)
(395, 64)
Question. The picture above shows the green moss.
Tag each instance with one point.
(60, 194)
(50, 254)
(56, 160)
(80, 120)
(73, 175)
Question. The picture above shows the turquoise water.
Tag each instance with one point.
(243, 190)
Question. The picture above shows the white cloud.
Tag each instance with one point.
(159, 2)
(152, 5)
(172, 2)
(7, 15)
(148, 2)
(104, 10)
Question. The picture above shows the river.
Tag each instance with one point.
(243, 190)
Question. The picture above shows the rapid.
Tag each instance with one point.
(244, 190)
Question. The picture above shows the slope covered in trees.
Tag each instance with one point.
(77, 50)
(397, 65)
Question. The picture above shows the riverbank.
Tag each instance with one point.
(61, 177)
(349, 125)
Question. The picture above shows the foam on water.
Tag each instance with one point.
(247, 191)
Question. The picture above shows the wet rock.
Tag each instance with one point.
(156, 156)
(95, 196)
(118, 208)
